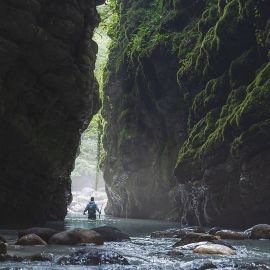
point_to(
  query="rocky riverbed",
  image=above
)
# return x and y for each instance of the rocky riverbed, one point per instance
(134, 244)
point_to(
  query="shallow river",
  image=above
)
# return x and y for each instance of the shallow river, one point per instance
(143, 253)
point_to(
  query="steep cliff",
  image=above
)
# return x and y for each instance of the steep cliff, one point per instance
(187, 111)
(48, 95)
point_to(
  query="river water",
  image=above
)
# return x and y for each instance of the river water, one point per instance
(143, 253)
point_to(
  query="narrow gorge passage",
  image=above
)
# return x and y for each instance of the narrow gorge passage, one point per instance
(160, 109)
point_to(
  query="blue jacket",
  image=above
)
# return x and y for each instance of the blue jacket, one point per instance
(91, 207)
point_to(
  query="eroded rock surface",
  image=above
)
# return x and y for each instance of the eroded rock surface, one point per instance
(48, 95)
(187, 111)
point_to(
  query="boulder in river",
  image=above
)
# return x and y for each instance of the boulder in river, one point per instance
(214, 249)
(194, 238)
(77, 236)
(171, 233)
(260, 231)
(30, 240)
(111, 234)
(44, 233)
(3, 248)
(231, 235)
(93, 256)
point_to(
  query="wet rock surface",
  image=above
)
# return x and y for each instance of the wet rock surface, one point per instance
(214, 249)
(111, 234)
(232, 235)
(30, 240)
(48, 96)
(77, 236)
(44, 233)
(172, 233)
(260, 231)
(91, 256)
(195, 237)
(185, 126)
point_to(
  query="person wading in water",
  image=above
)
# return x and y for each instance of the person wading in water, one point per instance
(91, 207)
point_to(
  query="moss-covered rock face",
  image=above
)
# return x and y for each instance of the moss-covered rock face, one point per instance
(47, 97)
(187, 94)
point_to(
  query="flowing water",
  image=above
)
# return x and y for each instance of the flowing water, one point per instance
(143, 253)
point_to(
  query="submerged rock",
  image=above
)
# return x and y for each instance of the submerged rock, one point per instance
(3, 248)
(194, 238)
(260, 231)
(33, 258)
(44, 233)
(92, 256)
(214, 249)
(30, 240)
(77, 236)
(232, 235)
(111, 234)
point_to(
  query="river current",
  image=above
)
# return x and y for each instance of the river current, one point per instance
(143, 253)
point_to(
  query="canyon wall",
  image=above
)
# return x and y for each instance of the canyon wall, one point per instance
(48, 95)
(187, 106)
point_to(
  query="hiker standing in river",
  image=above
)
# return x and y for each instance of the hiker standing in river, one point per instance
(92, 207)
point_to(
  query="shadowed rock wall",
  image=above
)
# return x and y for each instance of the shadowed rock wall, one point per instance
(187, 109)
(48, 95)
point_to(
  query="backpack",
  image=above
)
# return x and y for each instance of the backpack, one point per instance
(92, 207)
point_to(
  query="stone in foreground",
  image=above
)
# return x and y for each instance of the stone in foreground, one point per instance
(44, 233)
(111, 234)
(231, 235)
(194, 238)
(77, 236)
(31, 240)
(214, 249)
(92, 256)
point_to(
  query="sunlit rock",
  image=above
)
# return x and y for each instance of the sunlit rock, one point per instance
(214, 249)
